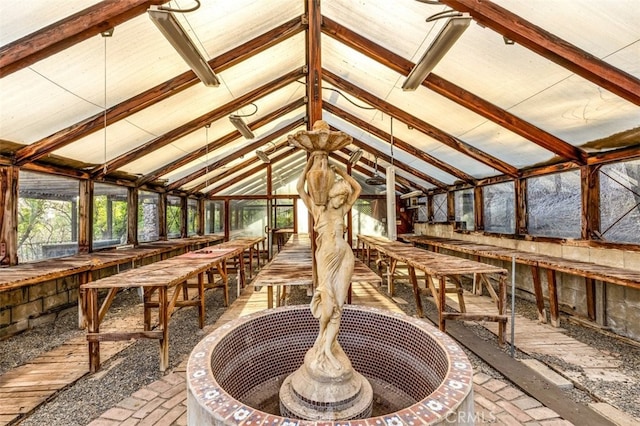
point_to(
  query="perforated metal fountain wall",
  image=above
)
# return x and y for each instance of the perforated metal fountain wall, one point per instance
(418, 374)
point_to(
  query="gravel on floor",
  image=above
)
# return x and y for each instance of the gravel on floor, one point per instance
(137, 365)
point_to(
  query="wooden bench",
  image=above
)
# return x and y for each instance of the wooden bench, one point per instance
(291, 266)
(440, 269)
(163, 283)
(590, 271)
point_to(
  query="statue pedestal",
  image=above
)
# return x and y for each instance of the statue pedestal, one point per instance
(314, 393)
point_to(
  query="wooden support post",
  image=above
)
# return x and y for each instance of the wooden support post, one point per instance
(451, 207)
(85, 213)
(590, 179)
(184, 217)
(521, 206)
(537, 288)
(201, 300)
(162, 217)
(9, 215)
(478, 208)
(132, 216)
(553, 298)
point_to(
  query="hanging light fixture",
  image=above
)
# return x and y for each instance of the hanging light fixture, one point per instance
(239, 123)
(355, 156)
(264, 156)
(376, 179)
(175, 33)
(445, 39)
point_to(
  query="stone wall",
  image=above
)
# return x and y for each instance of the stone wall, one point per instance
(38, 304)
(617, 307)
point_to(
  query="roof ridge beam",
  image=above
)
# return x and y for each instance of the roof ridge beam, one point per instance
(456, 94)
(551, 47)
(424, 127)
(155, 94)
(196, 123)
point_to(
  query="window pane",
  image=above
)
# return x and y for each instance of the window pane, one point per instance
(440, 207)
(214, 217)
(620, 202)
(174, 217)
(369, 217)
(109, 215)
(248, 218)
(463, 202)
(554, 206)
(47, 216)
(499, 208)
(148, 216)
(192, 216)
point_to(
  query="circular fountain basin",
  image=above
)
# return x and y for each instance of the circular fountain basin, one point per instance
(419, 375)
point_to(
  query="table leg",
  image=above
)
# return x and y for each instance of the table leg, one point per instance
(416, 291)
(93, 327)
(201, 299)
(164, 325)
(241, 271)
(442, 295)
(269, 296)
(553, 298)
(537, 289)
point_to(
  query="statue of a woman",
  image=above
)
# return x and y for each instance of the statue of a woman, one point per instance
(334, 259)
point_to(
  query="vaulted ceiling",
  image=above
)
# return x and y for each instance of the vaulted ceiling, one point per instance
(529, 87)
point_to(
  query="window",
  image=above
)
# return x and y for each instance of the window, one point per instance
(440, 208)
(192, 216)
(47, 216)
(464, 211)
(620, 202)
(148, 216)
(174, 216)
(109, 215)
(499, 208)
(369, 217)
(554, 205)
(213, 217)
(248, 218)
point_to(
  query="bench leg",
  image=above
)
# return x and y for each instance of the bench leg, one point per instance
(590, 286)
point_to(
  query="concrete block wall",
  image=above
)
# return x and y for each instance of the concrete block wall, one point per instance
(621, 304)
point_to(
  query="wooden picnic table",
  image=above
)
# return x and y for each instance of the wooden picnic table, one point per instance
(292, 265)
(439, 268)
(164, 287)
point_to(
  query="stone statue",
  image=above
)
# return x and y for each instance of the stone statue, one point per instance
(326, 387)
(334, 258)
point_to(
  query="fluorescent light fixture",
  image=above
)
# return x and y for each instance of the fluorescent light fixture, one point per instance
(263, 156)
(175, 33)
(355, 156)
(412, 194)
(242, 127)
(447, 37)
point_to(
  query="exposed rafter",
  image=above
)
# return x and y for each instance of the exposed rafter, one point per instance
(407, 147)
(420, 125)
(553, 48)
(69, 31)
(196, 123)
(221, 142)
(401, 183)
(155, 94)
(235, 154)
(456, 93)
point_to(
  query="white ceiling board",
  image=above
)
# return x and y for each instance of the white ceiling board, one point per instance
(21, 18)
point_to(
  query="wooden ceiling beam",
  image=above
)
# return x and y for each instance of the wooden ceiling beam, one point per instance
(422, 126)
(65, 33)
(456, 94)
(551, 47)
(249, 172)
(154, 95)
(407, 147)
(401, 183)
(314, 62)
(399, 164)
(234, 155)
(219, 143)
(196, 123)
